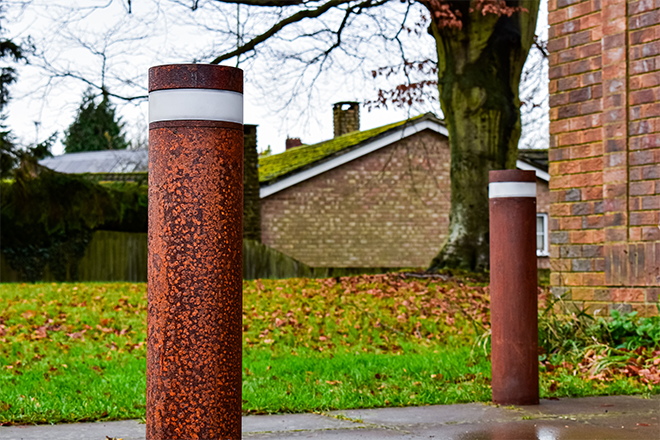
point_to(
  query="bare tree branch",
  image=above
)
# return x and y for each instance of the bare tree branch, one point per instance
(272, 3)
(298, 16)
(541, 46)
(100, 88)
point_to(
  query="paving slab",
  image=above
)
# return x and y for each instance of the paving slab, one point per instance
(125, 429)
(591, 418)
(432, 414)
(295, 422)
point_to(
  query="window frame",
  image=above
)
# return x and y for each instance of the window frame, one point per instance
(545, 252)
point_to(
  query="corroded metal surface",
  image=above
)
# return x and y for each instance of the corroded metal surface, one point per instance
(195, 76)
(511, 176)
(195, 281)
(513, 284)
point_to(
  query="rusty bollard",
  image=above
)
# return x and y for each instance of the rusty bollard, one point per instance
(513, 287)
(194, 315)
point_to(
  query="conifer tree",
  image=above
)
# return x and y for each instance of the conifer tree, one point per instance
(95, 128)
(8, 50)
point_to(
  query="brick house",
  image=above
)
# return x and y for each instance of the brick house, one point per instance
(605, 153)
(378, 198)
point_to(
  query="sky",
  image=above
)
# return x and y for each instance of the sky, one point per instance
(289, 86)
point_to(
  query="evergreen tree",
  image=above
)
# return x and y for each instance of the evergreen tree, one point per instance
(95, 128)
(8, 50)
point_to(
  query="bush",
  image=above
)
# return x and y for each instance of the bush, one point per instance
(561, 332)
(631, 332)
(48, 217)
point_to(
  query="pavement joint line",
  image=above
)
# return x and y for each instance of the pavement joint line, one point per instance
(397, 428)
(339, 416)
(366, 425)
(345, 428)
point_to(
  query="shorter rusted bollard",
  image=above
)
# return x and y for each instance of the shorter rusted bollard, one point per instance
(513, 287)
(195, 273)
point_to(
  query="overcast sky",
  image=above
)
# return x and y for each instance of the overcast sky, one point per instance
(74, 39)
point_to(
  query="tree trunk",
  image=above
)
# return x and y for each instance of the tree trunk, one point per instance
(479, 69)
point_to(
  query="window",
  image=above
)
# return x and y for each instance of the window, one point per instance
(542, 249)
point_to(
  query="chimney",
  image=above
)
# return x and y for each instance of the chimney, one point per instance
(293, 142)
(346, 117)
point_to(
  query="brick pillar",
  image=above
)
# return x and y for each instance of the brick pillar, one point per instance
(643, 253)
(576, 150)
(605, 152)
(615, 161)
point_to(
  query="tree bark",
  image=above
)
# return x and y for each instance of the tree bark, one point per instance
(479, 69)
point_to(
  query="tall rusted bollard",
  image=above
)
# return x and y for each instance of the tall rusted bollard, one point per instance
(513, 287)
(195, 252)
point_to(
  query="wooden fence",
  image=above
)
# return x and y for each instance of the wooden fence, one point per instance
(122, 256)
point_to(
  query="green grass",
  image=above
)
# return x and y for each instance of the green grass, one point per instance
(317, 382)
(74, 352)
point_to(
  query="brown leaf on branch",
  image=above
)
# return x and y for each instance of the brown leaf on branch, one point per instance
(496, 7)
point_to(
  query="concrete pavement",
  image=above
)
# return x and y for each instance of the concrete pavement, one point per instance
(597, 418)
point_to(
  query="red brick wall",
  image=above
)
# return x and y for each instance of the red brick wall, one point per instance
(604, 152)
(389, 208)
(542, 196)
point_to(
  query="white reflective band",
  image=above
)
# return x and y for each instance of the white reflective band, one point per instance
(511, 189)
(195, 105)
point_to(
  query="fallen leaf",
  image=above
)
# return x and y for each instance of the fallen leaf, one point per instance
(77, 335)
(40, 332)
(29, 314)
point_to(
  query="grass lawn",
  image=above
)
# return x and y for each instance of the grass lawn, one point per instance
(74, 352)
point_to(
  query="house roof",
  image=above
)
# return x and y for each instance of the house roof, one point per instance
(534, 160)
(283, 170)
(105, 161)
(534, 156)
(278, 165)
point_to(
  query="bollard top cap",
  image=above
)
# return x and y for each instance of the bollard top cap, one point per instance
(511, 176)
(195, 76)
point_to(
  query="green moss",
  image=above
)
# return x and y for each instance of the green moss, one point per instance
(277, 165)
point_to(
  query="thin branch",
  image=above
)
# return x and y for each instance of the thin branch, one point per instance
(298, 16)
(96, 86)
(541, 47)
(272, 3)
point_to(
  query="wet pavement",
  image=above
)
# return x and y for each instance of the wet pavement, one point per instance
(590, 418)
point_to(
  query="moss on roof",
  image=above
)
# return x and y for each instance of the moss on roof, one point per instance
(271, 167)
